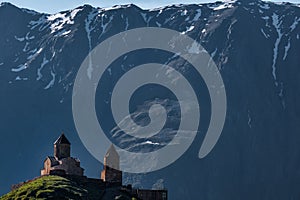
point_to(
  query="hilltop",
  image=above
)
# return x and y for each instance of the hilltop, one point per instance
(63, 178)
(56, 187)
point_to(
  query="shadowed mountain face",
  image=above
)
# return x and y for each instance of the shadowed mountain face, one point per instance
(255, 45)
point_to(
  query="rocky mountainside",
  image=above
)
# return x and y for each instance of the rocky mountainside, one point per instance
(255, 45)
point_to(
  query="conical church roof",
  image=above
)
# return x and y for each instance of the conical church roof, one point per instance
(112, 152)
(62, 140)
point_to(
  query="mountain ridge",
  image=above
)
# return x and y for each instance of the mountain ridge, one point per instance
(254, 45)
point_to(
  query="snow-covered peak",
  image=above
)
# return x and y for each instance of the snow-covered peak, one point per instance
(125, 6)
(220, 5)
(94, 24)
(58, 20)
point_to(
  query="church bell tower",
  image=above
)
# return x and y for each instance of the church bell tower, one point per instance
(111, 172)
(62, 147)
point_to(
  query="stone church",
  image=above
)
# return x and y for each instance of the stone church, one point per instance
(62, 163)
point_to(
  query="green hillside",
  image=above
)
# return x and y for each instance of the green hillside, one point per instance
(55, 187)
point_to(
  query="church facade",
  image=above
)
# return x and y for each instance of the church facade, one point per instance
(61, 163)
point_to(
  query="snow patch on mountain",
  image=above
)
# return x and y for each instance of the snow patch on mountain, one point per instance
(249, 119)
(224, 5)
(287, 48)
(146, 18)
(89, 28)
(126, 22)
(277, 24)
(20, 68)
(117, 7)
(18, 78)
(51, 83)
(39, 70)
(25, 49)
(263, 32)
(188, 29)
(28, 37)
(265, 6)
(105, 24)
(184, 13)
(20, 39)
(266, 18)
(295, 23)
(59, 20)
(230, 28)
(63, 33)
(42, 23)
(197, 15)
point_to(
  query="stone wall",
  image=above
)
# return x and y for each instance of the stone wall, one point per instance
(111, 175)
(62, 151)
(152, 194)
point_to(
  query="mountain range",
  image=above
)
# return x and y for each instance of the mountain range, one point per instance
(255, 45)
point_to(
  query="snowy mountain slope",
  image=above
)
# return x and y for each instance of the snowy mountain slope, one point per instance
(255, 44)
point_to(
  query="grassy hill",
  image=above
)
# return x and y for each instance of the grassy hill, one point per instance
(55, 187)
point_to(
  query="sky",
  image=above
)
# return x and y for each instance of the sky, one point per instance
(54, 6)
